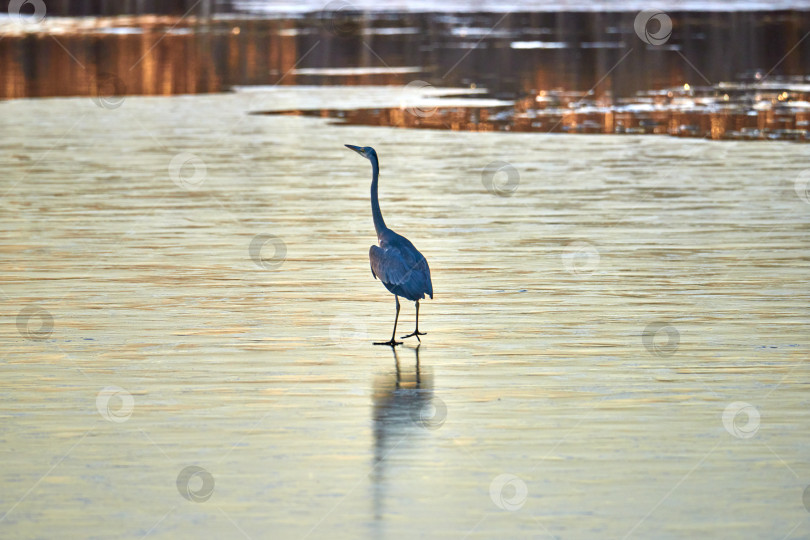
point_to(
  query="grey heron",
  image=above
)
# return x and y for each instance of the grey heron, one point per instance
(396, 262)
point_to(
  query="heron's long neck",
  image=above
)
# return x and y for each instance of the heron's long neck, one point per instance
(379, 224)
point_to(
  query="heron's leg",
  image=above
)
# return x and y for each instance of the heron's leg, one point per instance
(393, 342)
(396, 318)
(416, 332)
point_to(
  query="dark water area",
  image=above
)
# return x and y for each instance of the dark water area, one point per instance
(97, 8)
(512, 55)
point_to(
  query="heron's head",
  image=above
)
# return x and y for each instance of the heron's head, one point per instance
(365, 151)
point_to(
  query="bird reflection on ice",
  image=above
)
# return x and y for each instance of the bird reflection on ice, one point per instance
(404, 413)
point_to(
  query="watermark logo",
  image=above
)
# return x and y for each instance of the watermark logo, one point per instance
(508, 492)
(115, 404)
(195, 484)
(580, 258)
(35, 323)
(741, 419)
(187, 171)
(110, 91)
(340, 18)
(500, 178)
(661, 338)
(802, 186)
(653, 26)
(431, 415)
(418, 88)
(260, 256)
(27, 11)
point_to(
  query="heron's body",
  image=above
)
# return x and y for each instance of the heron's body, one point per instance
(400, 267)
(396, 262)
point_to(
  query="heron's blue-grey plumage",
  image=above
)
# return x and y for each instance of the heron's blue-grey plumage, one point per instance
(396, 262)
(401, 268)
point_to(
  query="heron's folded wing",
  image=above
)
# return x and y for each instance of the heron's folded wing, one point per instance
(390, 267)
(387, 265)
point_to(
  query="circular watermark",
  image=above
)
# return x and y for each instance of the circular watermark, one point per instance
(653, 26)
(35, 323)
(500, 178)
(195, 484)
(431, 415)
(110, 91)
(187, 170)
(802, 186)
(259, 255)
(508, 492)
(27, 11)
(340, 18)
(661, 338)
(115, 404)
(580, 258)
(732, 419)
(420, 110)
(347, 331)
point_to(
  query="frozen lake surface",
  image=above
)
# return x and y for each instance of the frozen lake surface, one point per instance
(616, 349)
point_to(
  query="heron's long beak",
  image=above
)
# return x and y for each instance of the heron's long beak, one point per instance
(356, 149)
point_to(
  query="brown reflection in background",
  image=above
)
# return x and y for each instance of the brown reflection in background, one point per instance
(775, 110)
(597, 54)
(148, 59)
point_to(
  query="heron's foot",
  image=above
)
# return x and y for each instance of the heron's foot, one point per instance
(392, 343)
(416, 333)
